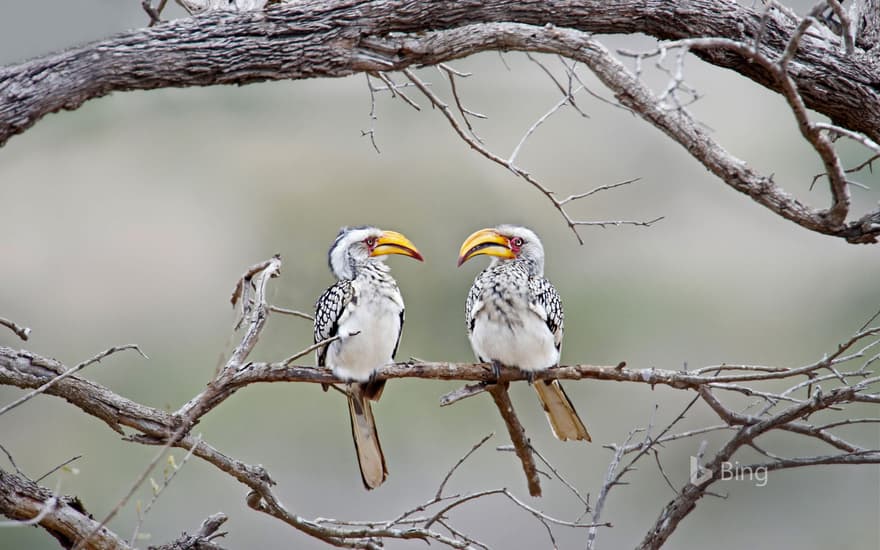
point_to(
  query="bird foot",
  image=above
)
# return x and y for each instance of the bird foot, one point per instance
(496, 370)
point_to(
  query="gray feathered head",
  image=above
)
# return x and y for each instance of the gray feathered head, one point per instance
(355, 245)
(506, 242)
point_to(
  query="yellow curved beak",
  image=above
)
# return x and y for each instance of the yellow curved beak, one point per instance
(485, 241)
(392, 242)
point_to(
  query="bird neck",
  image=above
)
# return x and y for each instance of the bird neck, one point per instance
(532, 266)
(370, 268)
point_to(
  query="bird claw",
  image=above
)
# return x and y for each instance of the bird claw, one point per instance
(496, 370)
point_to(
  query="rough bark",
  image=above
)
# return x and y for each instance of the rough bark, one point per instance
(63, 517)
(320, 38)
(28, 370)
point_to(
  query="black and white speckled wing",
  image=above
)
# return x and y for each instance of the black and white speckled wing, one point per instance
(329, 310)
(399, 333)
(473, 303)
(544, 300)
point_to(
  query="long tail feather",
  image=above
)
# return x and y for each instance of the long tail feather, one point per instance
(366, 440)
(564, 420)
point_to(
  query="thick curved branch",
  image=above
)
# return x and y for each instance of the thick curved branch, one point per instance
(320, 38)
(62, 516)
(66, 519)
(328, 39)
(156, 427)
(686, 500)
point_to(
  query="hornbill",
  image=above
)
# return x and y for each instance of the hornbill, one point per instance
(514, 317)
(365, 309)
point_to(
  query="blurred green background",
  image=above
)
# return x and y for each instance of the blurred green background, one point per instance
(130, 219)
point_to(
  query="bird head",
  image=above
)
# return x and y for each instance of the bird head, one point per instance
(355, 245)
(505, 242)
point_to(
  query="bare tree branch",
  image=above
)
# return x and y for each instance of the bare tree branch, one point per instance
(20, 331)
(517, 436)
(327, 29)
(156, 427)
(813, 70)
(63, 517)
(203, 539)
(67, 373)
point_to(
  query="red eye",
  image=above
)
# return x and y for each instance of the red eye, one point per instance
(517, 242)
(371, 242)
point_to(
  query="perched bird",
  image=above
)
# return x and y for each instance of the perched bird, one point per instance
(514, 316)
(365, 309)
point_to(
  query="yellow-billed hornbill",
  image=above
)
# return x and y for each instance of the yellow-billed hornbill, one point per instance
(514, 316)
(365, 309)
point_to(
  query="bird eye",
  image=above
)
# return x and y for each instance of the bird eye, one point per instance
(371, 242)
(517, 241)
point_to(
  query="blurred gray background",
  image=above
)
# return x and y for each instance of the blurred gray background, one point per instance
(130, 219)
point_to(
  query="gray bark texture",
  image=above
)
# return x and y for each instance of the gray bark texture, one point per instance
(831, 65)
(320, 38)
(63, 517)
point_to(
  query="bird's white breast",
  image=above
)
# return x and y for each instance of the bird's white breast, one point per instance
(514, 335)
(369, 329)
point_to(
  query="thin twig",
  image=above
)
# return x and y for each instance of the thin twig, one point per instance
(519, 172)
(372, 131)
(12, 461)
(610, 481)
(314, 347)
(56, 468)
(70, 372)
(134, 486)
(291, 312)
(512, 158)
(566, 92)
(465, 113)
(165, 483)
(155, 13)
(459, 463)
(598, 189)
(572, 488)
(396, 91)
(847, 28)
(20, 331)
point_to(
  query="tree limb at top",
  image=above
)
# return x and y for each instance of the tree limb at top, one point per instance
(321, 38)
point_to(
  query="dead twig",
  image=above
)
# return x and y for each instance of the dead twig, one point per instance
(517, 436)
(74, 370)
(20, 331)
